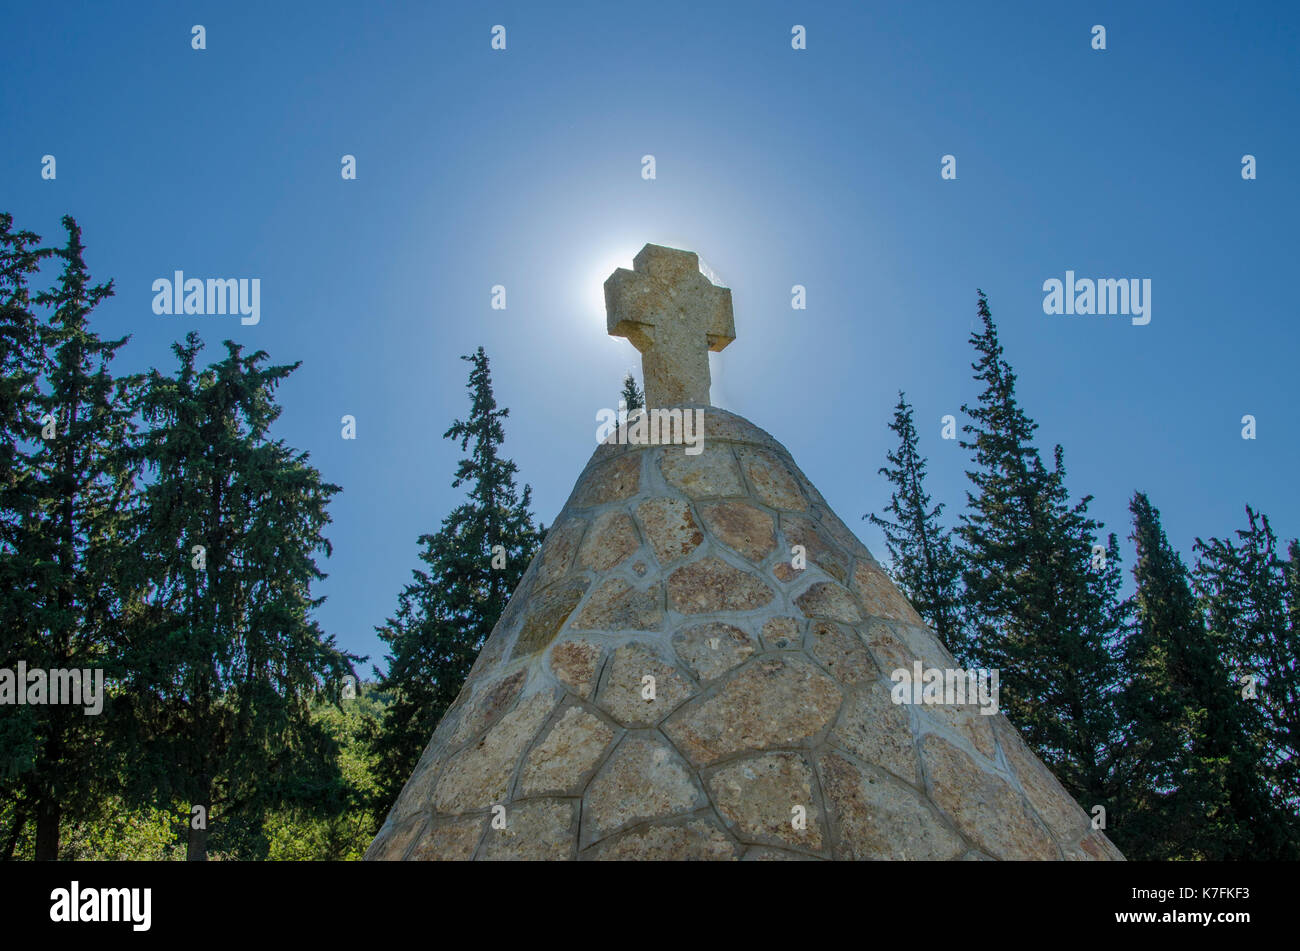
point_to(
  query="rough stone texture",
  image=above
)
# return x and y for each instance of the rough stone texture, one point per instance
(611, 482)
(561, 544)
(818, 548)
(537, 830)
(449, 839)
(841, 653)
(891, 652)
(622, 694)
(780, 633)
(671, 528)
(395, 839)
(924, 645)
(486, 705)
(879, 817)
(966, 720)
(569, 751)
(879, 595)
(712, 585)
(772, 690)
(1048, 797)
(693, 839)
(547, 615)
(773, 483)
(616, 606)
(763, 853)
(776, 701)
(644, 779)
(479, 775)
(829, 600)
(876, 730)
(740, 526)
(711, 474)
(575, 664)
(757, 796)
(983, 805)
(710, 650)
(1094, 847)
(611, 539)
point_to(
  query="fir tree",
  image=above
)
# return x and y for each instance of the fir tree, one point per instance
(21, 360)
(1182, 714)
(1041, 601)
(1249, 596)
(471, 565)
(73, 547)
(920, 548)
(226, 656)
(632, 394)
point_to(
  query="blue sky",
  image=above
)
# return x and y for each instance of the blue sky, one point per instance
(818, 167)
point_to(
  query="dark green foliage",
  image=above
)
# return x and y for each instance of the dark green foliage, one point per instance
(446, 613)
(1042, 604)
(225, 654)
(1250, 598)
(632, 394)
(920, 549)
(1184, 716)
(21, 364)
(65, 531)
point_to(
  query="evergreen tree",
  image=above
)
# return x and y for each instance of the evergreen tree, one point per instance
(20, 368)
(1042, 602)
(632, 394)
(446, 613)
(226, 656)
(1249, 595)
(1183, 716)
(920, 548)
(72, 547)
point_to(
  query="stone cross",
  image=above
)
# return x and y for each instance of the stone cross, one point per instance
(674, 315)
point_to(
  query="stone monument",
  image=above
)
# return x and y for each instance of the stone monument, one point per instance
(697, 665)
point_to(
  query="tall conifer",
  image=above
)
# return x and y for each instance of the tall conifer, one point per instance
(1249, 595)
(1041, 593)
(471, 566)
(1183, 715)
(75, 550)
(226, 654)
(920, 548)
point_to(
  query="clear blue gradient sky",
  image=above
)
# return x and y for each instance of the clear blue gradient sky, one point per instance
(817, 167)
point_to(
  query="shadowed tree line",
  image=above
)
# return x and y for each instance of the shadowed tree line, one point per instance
(151, 526)
(1176, 709)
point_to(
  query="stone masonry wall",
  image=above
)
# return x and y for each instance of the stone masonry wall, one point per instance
(771, 692)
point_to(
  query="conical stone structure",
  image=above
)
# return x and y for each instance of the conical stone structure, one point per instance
(696, 665)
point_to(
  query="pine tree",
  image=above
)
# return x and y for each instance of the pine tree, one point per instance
(1182, 714)
(1042, 598)
(73, 547)
(920, 549)
(632, 394)
(21, 360)
(226, 655)
(471, 565)
(1249, 596)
